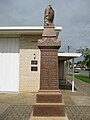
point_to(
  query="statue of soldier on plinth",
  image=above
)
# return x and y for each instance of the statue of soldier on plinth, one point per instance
(48, 16)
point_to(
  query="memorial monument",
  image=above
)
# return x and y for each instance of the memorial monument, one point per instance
(49, 103)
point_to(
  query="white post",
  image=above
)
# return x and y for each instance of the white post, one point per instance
(68, 66)
(73, 75)
(65, 71)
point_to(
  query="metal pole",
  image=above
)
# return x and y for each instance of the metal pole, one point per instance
(73, 75)
(68, 60)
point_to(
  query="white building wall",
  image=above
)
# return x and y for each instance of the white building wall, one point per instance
(9, 64)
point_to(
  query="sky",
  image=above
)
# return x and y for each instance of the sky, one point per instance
(72, 15)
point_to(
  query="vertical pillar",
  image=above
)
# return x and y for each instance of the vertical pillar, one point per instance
(73, 75)
(49, 98)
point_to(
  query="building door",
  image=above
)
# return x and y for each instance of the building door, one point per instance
(9, 64)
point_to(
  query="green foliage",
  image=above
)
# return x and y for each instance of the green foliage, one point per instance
(84, 51)
(81, 62)
(87, 60)
(82, 77)
(69, 63)
(86, 54)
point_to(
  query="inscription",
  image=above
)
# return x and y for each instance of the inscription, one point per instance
(49, 70)
(49, 73)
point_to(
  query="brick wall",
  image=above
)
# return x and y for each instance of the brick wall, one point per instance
(29, 80)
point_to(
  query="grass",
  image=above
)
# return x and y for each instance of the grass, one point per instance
(82, 77)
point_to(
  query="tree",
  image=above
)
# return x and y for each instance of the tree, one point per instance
(87, 61)
(84, 51)
(86, 54)
(81, 64)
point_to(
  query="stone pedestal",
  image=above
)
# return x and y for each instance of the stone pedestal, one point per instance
(48, 104)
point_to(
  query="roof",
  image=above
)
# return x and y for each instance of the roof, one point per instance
(17, 30)
(67, 56)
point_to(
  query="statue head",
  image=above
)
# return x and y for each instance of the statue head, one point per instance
(49, 6)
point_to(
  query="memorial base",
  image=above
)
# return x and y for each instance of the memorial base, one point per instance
(49, 105)
(48, 118)
(49, 96)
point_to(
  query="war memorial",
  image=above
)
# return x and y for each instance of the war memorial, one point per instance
(49, 104)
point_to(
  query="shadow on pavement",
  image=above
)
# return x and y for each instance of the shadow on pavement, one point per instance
(63, 85)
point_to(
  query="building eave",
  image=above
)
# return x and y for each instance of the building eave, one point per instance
(67, 56)
(30, 30)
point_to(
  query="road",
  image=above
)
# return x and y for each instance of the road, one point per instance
(83, 72)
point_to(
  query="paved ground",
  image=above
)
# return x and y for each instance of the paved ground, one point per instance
(78, 102)
(84, 87)
(19, 107)
(16, 107)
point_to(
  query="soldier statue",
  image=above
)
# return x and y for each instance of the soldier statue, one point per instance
(48, 16)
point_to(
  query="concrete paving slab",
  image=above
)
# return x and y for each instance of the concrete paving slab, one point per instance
(80, 85)
(17, 112)
(24, 99)
(3, 107)
(68, 96)
(78, 112)
(27, 98)
(81, 100)
(7, 98)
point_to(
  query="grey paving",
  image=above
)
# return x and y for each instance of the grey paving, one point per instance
(81, 100)
(16, 106)
(23, 112)
(17, 112)
(3, 107)
(78, 112)
(19, 107)
(82, 86)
